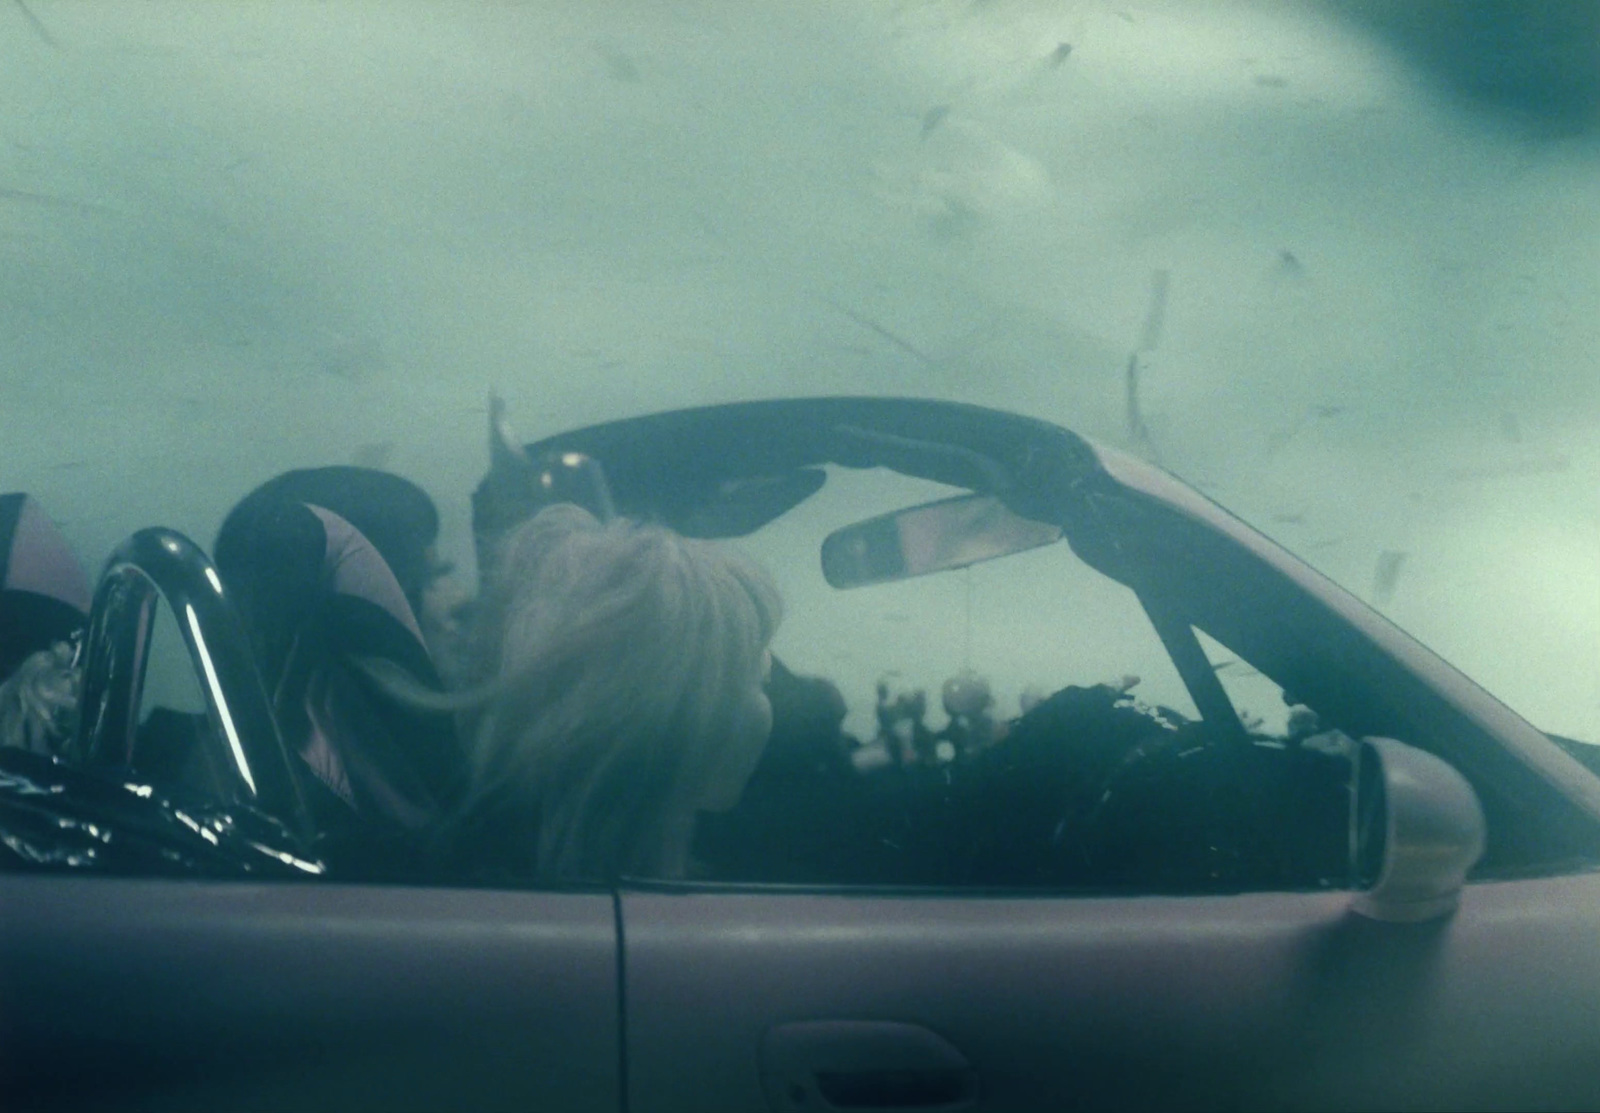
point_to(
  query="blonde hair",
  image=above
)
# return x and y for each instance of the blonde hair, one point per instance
(615, 660)
(39, 702)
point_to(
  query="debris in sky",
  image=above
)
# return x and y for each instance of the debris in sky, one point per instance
(1387, 575)
(374, 456)
(50, 201)
(344, 356)
(619, 67)
(1154, 318)
(932, 118)
(1271, 81)
(1289, 264)
(1510, 428)
(38, 27)
(1156, 315)
(1312, 413)
(954, 220)
(873, 326)
(1534, 465)
(1060, 54)
(1136, 427)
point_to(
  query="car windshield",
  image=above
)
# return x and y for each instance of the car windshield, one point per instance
(1332, 263)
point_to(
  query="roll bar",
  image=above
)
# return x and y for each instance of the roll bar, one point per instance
(163, 564)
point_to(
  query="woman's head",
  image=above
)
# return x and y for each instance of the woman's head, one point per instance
(626, 665)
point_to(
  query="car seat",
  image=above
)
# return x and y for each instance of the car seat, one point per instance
(320, 604)
(44, 592)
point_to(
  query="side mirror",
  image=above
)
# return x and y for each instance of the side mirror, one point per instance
(950, 533)
(1416, 829)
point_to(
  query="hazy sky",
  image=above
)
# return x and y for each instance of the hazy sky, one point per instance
(237, 238)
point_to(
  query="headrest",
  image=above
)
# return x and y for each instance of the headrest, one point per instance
(44, 592)
(287, 560)
(395, 515)
(353, 567)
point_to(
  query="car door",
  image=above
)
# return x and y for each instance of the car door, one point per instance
(820, 1000)
(854, 996)
(144, 993)
(786, 1000)
(789, 1000)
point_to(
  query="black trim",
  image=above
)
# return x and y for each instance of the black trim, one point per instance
(683, 467)
(10, 516)
(622, 1002)
(1210, 697)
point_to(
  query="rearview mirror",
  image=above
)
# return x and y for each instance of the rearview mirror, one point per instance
(1417, 828)
(936, 536)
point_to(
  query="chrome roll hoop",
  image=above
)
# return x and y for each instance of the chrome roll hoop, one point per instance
(162, 564)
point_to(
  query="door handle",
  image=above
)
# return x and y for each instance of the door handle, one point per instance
(820, 1066)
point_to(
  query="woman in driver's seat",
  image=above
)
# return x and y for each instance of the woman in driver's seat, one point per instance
(619, 670)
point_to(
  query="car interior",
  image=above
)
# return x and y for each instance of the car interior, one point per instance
(1092, 788)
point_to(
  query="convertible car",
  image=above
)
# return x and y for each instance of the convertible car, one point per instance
(1196, 829)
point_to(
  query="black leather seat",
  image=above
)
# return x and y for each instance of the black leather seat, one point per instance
(318, 599)
(44, 593)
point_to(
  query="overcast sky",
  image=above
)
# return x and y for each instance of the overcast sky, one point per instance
(237, 238)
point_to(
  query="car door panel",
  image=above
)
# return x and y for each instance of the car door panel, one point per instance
(1248, 1001)
(1497, 1007)
(1056, 1003)
(224, 995)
